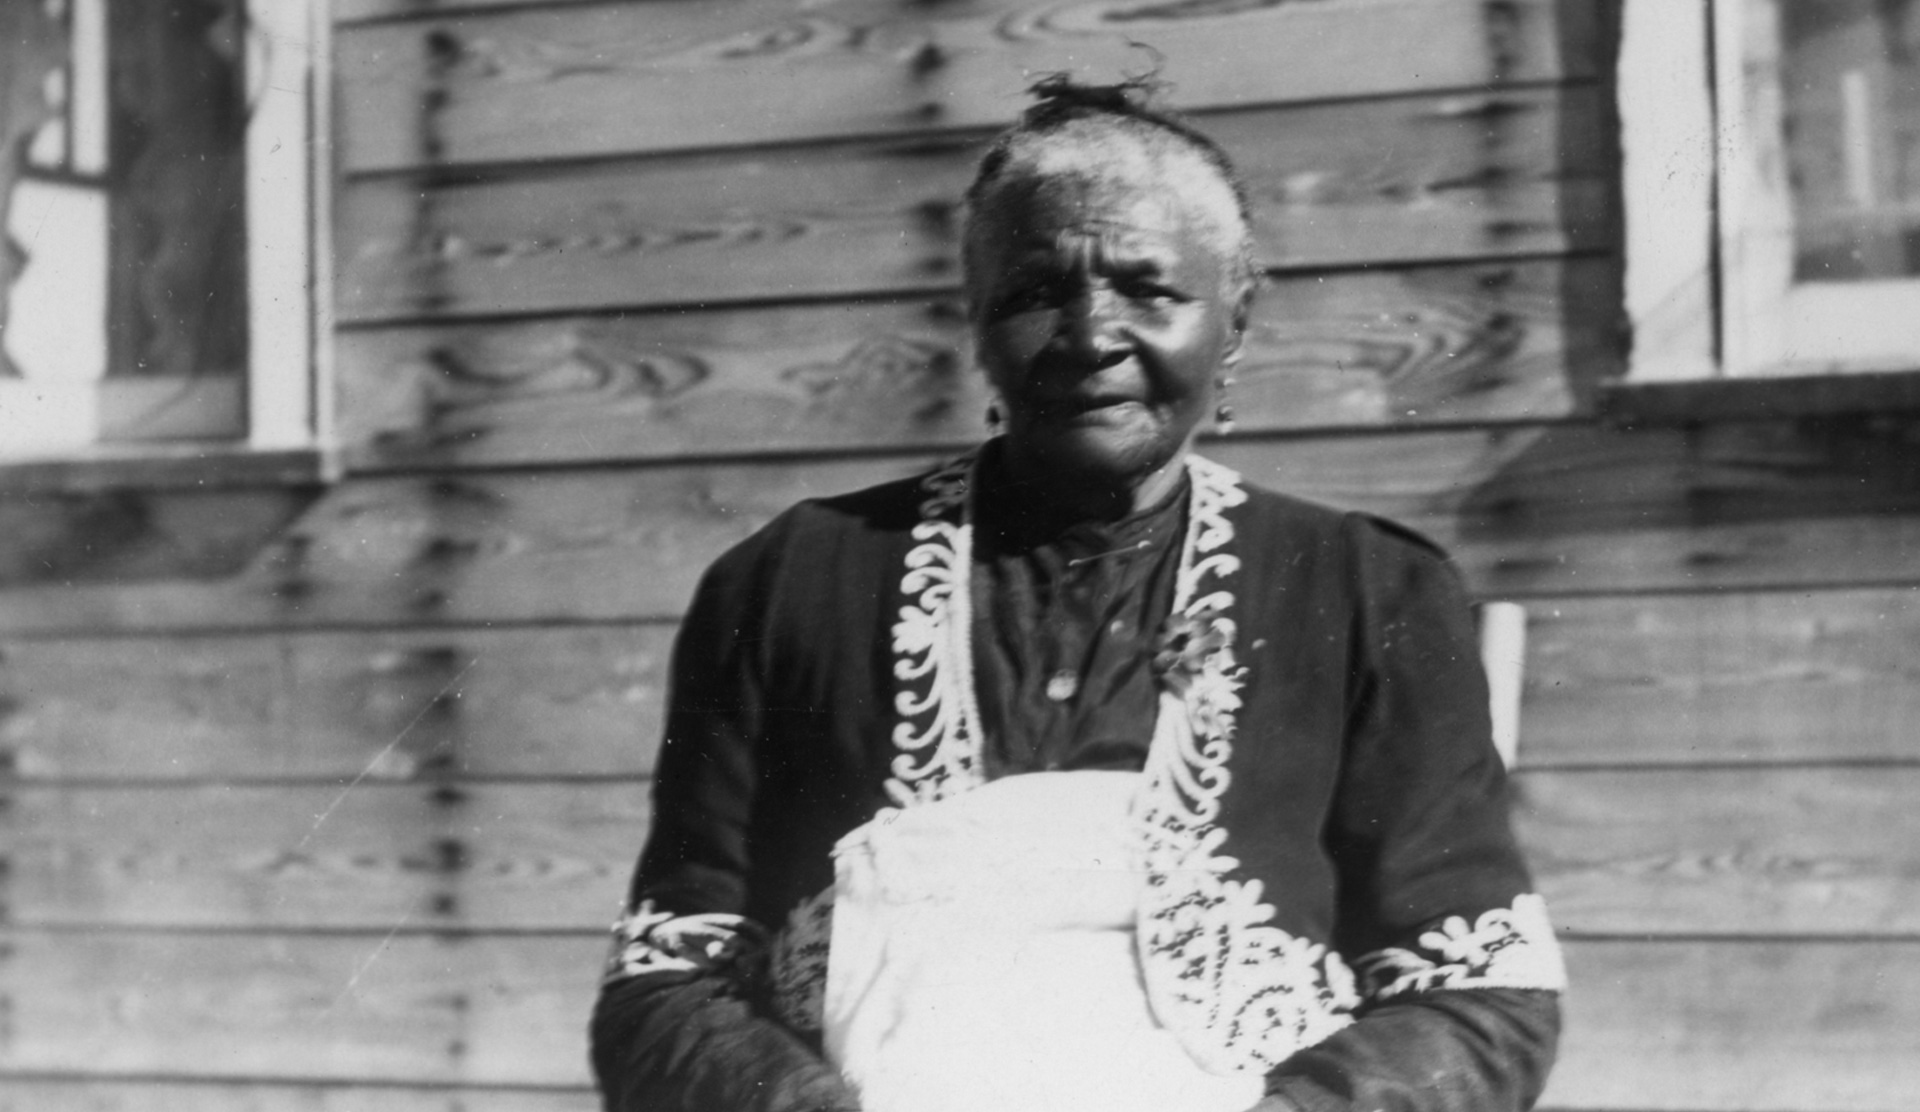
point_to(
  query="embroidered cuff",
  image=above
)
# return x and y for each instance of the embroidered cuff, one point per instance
(1507, 947)
(646, 940)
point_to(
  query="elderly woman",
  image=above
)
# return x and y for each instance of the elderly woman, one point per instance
(1079, 772)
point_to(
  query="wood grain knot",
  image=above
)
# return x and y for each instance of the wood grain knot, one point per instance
(443, 48)
(1504, 36)
(442, 551)
(450, 855)
(927, 59)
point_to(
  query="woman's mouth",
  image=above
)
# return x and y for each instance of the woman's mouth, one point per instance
(1091, 409)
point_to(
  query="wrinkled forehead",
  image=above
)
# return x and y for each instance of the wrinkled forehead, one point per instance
(1116, 176)
(1040, 212)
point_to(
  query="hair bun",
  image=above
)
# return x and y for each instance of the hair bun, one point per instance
(1059, 95)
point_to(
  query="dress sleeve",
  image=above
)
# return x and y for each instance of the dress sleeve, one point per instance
(678, 1026)
(1459, 971)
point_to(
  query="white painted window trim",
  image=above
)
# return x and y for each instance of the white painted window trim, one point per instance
(1667, 140)
(287, 276)
(288, 395)
(1709, 244)
(1503, 654)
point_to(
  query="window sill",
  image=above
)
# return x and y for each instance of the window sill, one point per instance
(1761, 398)
(162, 466)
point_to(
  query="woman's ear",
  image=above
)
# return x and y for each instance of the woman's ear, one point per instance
(1242, 316)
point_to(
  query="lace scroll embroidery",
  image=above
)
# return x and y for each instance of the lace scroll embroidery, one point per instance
(937, 736)
(646, 940)
(797, 963)
(1507, 947)
(1240, 993)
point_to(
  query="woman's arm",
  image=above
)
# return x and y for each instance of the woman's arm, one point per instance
(1458, 1050)
(695, 1043)
(1458, 966)
(677, 1027)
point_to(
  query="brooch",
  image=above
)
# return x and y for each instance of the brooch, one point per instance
(1194, 662)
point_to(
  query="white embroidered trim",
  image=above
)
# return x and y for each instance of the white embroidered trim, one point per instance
(938, 734)
(1507, 947)
(1241, 994)
(650, 941)
(797, 963)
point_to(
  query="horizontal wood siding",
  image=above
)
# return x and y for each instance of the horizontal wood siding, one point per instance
(1780, 1026)
(1646, 852)
(606, 79)
(1440, 345)
(1761, 1026)
(500, 1009)
(1612, 682)
(93, 1094)
(1398, 181)
(1724, 679)
(1530, 511)
(317, 797)
(334, 707)
(375, 857)
(1775, 851)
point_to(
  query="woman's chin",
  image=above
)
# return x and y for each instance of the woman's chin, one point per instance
(1100, 448)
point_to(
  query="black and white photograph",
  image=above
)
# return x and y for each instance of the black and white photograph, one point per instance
(959, 555)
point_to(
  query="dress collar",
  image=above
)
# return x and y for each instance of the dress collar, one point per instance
(937, 737)
(1009, 523)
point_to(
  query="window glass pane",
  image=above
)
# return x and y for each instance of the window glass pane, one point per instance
(1850, 78)
(123, 283)
(57, 307)
(48, 148)
(178, 257)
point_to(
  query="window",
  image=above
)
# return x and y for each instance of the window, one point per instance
(1772, 162)
(157, 184)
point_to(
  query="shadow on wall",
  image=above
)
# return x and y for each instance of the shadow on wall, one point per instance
(77, 537)
(1572, 509)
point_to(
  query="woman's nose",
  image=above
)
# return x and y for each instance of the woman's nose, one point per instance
(1090, 325)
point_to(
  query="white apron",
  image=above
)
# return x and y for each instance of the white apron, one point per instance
(983, 957)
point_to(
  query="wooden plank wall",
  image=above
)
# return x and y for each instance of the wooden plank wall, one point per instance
(318, 798)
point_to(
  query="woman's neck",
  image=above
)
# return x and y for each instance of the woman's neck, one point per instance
(1065, 496)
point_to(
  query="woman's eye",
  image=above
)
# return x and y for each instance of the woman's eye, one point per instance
(1143, 290)
(1022, 298)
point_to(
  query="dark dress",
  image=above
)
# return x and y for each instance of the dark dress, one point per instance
(1403, 963)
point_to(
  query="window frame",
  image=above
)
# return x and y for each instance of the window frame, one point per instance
(286, 401)
(1709, 284)
(289, 283)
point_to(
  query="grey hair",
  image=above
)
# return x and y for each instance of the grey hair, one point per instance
(1095, 130)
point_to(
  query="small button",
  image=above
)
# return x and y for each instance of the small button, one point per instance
(1062, 685)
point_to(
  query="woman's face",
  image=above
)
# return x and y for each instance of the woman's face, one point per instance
(1102, 315)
